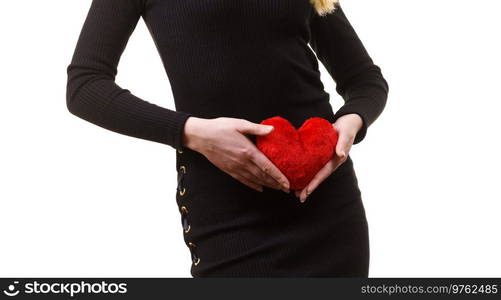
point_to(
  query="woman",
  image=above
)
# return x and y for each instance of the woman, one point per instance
(232, 64)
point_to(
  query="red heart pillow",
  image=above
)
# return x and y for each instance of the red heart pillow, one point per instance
(301, 153)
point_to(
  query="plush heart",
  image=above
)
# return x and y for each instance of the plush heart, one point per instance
(301, 153)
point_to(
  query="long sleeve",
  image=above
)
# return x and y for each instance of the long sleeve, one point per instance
(92, 93)
(358, 80)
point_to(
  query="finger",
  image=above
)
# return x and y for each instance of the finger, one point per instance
(303, 194)
(264, 178)
(247, 174)
(269, 168)
(247, 127)
(318, 178)
(344, 143)
(298, 193)
(248, 182)
(270, 181)
(250, 176)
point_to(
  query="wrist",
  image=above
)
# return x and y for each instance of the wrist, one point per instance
(191, 133)
(352, 122)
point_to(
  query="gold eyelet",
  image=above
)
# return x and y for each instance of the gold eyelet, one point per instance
(184, 210)
(197, 261)
(183, 169)
(182, 192)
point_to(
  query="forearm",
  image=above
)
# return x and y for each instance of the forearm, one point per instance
(103, 103)
(358, 80)
(365, 96)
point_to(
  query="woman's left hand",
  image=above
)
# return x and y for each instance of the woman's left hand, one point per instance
(347, 127)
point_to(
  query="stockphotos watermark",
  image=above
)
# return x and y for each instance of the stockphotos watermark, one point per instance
(68, 288)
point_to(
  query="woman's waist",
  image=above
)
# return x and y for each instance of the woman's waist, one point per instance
(254, 109)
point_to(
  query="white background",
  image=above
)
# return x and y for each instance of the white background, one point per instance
(78, 200)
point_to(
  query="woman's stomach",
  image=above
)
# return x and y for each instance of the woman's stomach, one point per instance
(255, 105)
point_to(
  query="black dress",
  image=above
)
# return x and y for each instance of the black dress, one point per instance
(248, 59)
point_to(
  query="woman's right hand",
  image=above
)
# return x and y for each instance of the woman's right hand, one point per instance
(223, 142)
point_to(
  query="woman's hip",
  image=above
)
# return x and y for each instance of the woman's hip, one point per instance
(226, 224)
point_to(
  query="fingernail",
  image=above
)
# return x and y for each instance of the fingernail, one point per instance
(270, 128)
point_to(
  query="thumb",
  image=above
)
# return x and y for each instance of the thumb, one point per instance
(255, 129)
(343, 146)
